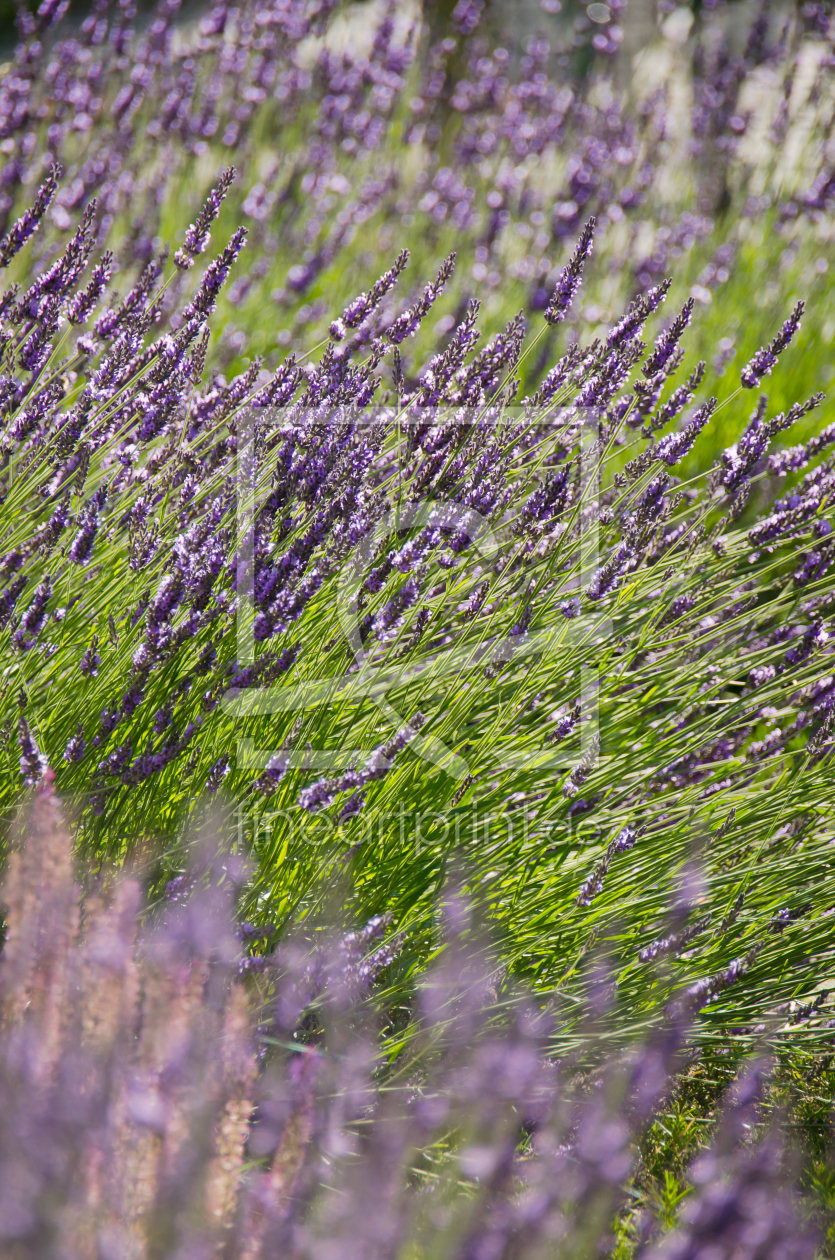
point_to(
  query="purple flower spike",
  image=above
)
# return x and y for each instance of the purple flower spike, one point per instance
(320, 794)
(675, 446)
(813, 638)
(217, 774)
(407, 324)
(625, 840)
(570, 276)
(639, 311)
(76, 747)
(88, 527)
(9, 599)
(564, 727)
(91, 660)
(29, 221)
(352, 806)
(85, 300)
(766, 357)
(364, 305)
(215, 277)
(665, 346)
(33, 619)
(33, 764)
(197, 236)
(622, 843)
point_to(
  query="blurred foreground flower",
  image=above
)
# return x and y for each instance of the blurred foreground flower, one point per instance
(145, 1111)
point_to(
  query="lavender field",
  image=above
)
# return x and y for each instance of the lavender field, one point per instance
(416, 605)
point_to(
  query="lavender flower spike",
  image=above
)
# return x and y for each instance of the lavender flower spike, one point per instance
(622, 843)
(29, 221)
(217, 774)
(197, 236)
(363, 306)
(76, 747)
(666, 344)
(83, 302)
(570, 277)
(91, 660)
(637, 314)
(407, 324)
(88, 527)
(205, 299)
(765, 358)
(675, 446)
(33, 764)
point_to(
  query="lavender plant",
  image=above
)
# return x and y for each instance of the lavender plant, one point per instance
(137, 473)
(545, 593)
(402, 126)
(163, 1097)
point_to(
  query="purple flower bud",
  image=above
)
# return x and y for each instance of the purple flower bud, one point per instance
(9, 598)
(214, 278)
(765, 358)
(85, 300)
(91, 660)
(569, 278)
(75, 749)
(217, 774)
(29, 221)
(407, 324)
(364, 305)
(197, 235)
(88, 527)
(33, 764)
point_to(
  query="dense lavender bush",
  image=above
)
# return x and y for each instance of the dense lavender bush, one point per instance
(421, 589)
(157, 1104)
(354, 136)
